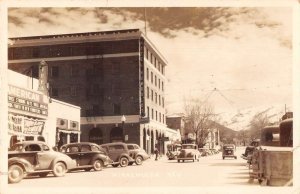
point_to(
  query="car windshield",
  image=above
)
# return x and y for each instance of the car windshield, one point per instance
(16, 147)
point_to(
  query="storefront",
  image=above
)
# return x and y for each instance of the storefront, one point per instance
(27, 114)
(32, 115)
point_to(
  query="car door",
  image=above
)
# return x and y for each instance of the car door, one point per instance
(44, 157)
(73, 152)
(114, 152)
(86, 155)
(30, 154)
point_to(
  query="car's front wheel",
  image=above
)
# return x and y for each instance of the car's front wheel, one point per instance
(59, 169)
(124, 162)
(98, 165)
(139, 160)
(15, 173)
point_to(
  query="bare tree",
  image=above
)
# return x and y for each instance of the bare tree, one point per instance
(200, 119)
(259, 121)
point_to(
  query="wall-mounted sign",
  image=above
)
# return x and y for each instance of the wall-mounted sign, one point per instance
(33, 126)
(20, 125)
(74, 125)
(26, 101)
(62, 123)
(15, 124)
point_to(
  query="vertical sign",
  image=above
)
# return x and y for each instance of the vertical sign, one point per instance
(43, 78)
(142, 78)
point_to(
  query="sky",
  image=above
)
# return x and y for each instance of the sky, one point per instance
(234, 58)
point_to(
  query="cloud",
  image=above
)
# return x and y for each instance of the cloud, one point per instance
(246, 53)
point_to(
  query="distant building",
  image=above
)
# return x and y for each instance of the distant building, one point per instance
(176, 122)
(108, 74)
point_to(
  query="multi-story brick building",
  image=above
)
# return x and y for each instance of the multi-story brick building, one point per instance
(108, 74)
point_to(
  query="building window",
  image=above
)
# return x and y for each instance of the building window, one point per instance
(162, 69)
(148, 112)
(151, 77)
(54, 71)
(155, 81)
(148, 92)
(152, 95)
(54, 92)
(159, 83)
(163, 118)
(151, 58)
(162, 86)
(146, 52)
(147, 74)
(95, 110)
(73, 91)
(159, 66)
(152, 113)
(159, 100)
(155, 98)
(117, 109)
(155, 62)
(163, 102)
(159, 117)
(156, 115)
(74, 70)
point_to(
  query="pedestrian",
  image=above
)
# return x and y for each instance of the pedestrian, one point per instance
(156, 152)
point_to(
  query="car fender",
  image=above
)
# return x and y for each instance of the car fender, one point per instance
(98, 157)
(63, 160)
(21, 161)
(127, 156)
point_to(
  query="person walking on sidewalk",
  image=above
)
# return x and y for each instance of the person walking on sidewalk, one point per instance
(156, 152)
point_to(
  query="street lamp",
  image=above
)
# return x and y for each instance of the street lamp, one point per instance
(123, 119)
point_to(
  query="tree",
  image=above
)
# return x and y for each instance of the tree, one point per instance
(200, 119)
(259, 121)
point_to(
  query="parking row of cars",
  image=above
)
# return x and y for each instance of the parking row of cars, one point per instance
(182, 152)
(37, 158)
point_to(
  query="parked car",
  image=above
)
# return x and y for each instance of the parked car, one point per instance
(87, 155)
(204, 152)
(36, 158)
(119, 153)
(189, 152)
(249, 150)
(228, 151)
(137, 153)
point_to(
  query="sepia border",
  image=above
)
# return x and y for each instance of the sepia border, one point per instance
(5, 4)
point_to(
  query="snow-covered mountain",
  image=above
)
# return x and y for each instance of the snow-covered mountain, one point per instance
(240, 119)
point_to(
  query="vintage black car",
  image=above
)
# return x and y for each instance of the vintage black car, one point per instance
(87, 155)
(137, 153)
(36, 158)
(228, 151)
(119, 153)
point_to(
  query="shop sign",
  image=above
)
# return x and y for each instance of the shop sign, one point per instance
(74, 125)
(20, 125)
(62, 123)
(33, 126)
(27, 101)
(15, 124)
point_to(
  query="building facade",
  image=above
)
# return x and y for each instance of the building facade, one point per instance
(34, 116)
(176, 122)
(108, 74)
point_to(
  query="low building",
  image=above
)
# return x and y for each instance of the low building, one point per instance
(34, 116)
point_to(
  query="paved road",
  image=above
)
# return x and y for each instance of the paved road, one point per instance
(210, 171)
